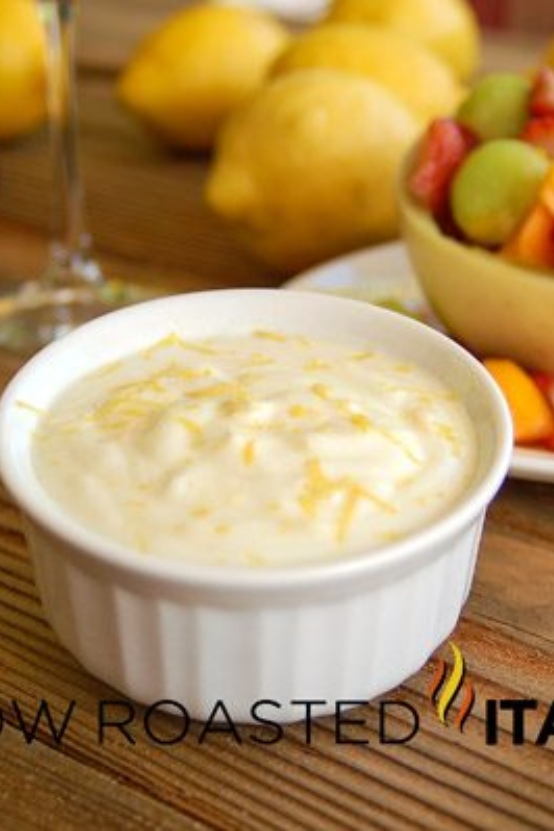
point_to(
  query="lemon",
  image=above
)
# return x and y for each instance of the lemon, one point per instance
(416, 76)
(22, 68)
(187, 77)
(446, 27)
(307, 169)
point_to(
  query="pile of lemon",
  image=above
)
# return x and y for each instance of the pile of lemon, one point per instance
(309, 128)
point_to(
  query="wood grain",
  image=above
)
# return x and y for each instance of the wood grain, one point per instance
(145, 205)
(150, 224)
(440, 781)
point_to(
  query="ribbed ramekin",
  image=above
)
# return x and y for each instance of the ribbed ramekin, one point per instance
(157, 630)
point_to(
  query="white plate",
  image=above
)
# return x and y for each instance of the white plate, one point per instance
(384, 275)
(294, 11)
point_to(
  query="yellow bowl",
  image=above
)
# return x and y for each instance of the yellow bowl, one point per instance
(490, 305)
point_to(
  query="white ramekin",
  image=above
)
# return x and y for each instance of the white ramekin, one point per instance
(344, 630)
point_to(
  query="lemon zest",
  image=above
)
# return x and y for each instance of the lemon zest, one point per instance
(321, 391)
(360, 421)
(259, 359)
(192, 426)
(263, 333)
(319, 487)
(362, 356)
(106, 370)
(25, 405)
(174, 340)
(299, 411)
(315, 364)
(249, 453)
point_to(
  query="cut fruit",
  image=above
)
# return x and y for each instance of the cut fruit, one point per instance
(443, 150)
(542, 96)
(540, 133)
(547, 192)
(532, 416)
(495, 188)
(533, 243)
(497, 107)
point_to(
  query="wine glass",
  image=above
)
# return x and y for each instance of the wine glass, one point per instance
(72, 288)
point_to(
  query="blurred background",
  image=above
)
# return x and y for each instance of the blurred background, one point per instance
(110, 28)
(532, 15)
(145, 201)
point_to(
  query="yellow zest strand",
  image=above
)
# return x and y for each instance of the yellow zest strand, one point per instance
(276, 336)
(249, 453)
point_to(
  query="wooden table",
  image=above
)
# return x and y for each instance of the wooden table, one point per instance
(149, 223)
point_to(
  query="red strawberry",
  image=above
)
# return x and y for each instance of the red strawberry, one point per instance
(545, 382)
(540, 132)
(542, 95)
(443, 149)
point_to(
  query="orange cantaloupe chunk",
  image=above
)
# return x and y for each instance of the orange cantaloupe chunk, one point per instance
(533, 242)
(546, 196)
(532, 415)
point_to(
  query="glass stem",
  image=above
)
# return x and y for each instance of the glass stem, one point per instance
(70, 258)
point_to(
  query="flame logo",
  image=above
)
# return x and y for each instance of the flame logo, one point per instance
(451, 689)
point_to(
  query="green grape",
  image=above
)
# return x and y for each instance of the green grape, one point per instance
(498, 106)
(495, 188)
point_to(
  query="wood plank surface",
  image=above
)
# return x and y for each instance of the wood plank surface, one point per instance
(150, 224)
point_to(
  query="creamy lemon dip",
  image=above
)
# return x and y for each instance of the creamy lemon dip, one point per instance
(261, 449)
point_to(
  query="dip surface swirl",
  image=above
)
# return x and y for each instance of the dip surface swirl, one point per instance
(261, 449)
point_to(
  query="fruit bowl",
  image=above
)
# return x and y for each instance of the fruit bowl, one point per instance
(492, 306)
